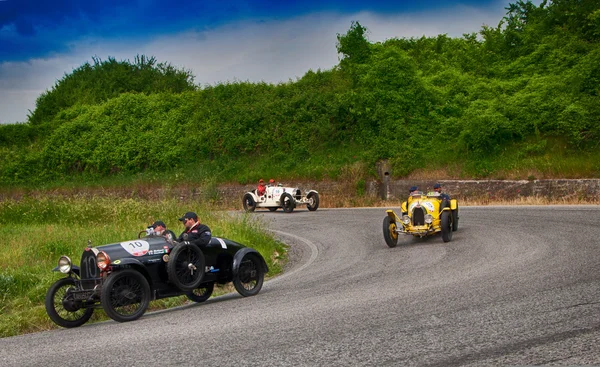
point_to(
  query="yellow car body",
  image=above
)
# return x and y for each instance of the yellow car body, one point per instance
(422, 215)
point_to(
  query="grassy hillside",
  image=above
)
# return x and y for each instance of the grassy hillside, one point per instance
(519, 99)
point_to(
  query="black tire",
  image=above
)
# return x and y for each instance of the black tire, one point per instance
(389, 232)
(62, 308)
(125, 295)
(250, 276)
(186, 266)
(455, 219)
(287, 202)
(249, 203)
(313, 201)
(273, 208)
(446, 224)
(201, 293)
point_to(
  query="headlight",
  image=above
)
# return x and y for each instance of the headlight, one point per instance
(428, 218)
(64, 264)
(405, 219)
(102, 260)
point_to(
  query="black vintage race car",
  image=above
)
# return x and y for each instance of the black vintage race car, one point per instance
(124, 277)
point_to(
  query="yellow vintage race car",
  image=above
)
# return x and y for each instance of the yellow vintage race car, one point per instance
(422, 215)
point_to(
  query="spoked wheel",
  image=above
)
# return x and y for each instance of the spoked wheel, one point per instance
(186, 266)
(250, 276)
(313, 201)
(249, 203)
(125, 295)
(287, 202)
(202, 293)
(446, 223)
(62, 308)
(389, 232)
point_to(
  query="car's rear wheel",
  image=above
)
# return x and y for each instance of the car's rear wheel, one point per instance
(389, 232)
(186, 266)
(125, 295)
(250, 276)
(446, 223)
(273, 208)
(287, 202)
(249, 203)
(62, 307)
(201, 293)
(313, 201)
(455, 219)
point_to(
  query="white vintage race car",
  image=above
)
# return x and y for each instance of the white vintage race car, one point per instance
(276, 197)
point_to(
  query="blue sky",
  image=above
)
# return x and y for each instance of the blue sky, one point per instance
(219, 41)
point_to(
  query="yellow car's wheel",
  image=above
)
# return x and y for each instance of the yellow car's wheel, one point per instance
(389, 232)
(446, 224)
(455, 219)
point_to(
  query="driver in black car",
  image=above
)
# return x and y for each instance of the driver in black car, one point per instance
(159, 228)
(195, 232)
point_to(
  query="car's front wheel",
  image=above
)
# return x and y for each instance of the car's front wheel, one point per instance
(61, 306)
(446, 223)
(389, 232)
(201, 293)
(249, 203)
(250, 276)
(313, 201)
(125, 295)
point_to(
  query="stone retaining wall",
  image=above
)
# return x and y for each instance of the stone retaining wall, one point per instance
(585, 190)
(334, 193)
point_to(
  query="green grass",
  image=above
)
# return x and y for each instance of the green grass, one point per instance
(36, 232)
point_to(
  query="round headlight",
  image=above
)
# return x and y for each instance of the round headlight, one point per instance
(405, 219)
(102, 260)
(428, 218)
(64, 264)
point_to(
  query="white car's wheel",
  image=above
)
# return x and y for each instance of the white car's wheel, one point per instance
(313, 201)
(249, 203)
(287, 202)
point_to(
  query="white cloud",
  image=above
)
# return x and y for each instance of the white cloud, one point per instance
(274, 51)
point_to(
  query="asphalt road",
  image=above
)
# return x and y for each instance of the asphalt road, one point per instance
(516, 286)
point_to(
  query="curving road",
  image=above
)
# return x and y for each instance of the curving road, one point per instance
(516, 286)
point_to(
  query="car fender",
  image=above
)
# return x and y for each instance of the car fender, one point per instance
(254, 196)
(74, 269)
(309, 191)
(453, 204)
(126, 263)
(237, 259)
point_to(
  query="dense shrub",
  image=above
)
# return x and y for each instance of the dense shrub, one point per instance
(536, 76)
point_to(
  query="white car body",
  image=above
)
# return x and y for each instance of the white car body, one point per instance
(276, 197)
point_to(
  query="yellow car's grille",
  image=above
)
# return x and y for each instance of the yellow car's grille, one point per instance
(418, 216)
